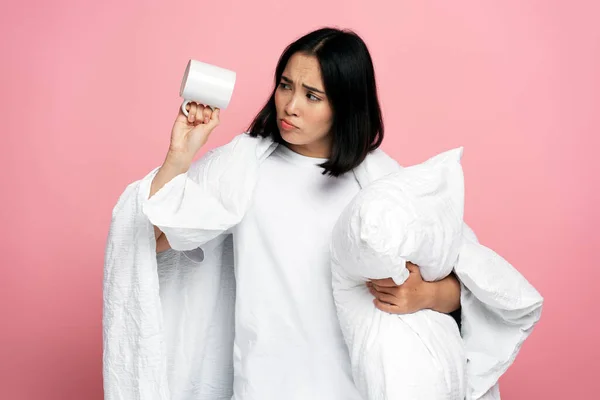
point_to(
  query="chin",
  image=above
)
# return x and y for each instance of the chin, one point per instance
(291, 137)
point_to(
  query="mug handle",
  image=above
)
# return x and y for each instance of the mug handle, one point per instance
(186, 112)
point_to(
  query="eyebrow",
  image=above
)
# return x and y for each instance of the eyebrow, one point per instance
(288, 80)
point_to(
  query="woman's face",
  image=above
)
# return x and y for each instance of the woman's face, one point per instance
(304, 115)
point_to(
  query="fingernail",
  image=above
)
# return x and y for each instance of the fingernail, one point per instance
(206, 120)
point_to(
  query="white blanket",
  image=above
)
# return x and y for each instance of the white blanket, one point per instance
(168, 319)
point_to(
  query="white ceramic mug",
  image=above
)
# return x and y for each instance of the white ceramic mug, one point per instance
(206, 84)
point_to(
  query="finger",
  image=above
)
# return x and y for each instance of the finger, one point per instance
(383, 289)
(206, 114)
(215, 118)
(192, 112)
(384, 297)
(387, 282)
(385, 307)
(199, 114)
(412, 267)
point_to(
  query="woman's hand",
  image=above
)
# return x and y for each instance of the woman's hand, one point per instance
(190, 133)
(413, 295)
(416, 294)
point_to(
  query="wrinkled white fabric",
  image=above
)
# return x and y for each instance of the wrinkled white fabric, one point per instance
(413, 215)
(168, 319)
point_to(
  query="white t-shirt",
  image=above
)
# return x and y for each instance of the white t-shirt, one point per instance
(288, 343)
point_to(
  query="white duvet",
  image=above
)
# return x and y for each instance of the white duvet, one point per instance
(168, 319)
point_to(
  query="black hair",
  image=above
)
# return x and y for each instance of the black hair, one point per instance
(349, 79)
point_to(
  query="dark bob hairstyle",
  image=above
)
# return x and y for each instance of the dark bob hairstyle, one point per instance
(349, 79)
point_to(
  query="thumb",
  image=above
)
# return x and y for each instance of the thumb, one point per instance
(412, 268)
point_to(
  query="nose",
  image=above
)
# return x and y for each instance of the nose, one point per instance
(291, 108)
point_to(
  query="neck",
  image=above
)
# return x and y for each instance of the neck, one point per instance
(321, 149)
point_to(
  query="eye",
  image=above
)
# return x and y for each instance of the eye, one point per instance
(284, 85)
(312, 97)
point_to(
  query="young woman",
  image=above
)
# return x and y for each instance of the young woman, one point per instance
(324, 113)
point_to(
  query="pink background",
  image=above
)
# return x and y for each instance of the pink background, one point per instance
(90, 91)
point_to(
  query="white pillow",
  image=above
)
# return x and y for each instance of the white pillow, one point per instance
(413, 215)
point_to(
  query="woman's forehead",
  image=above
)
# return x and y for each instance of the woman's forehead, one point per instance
(304, 69)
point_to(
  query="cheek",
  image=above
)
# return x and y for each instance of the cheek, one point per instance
(277, 101)
(322, 118)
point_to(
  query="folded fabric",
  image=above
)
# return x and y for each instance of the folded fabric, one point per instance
(413, 215)
(168, 319)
